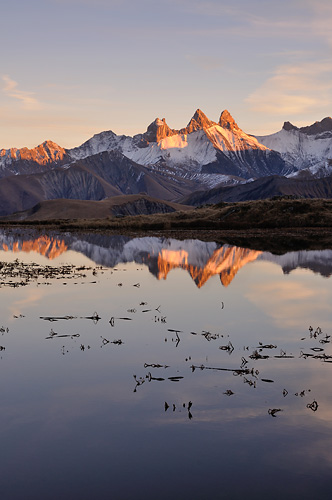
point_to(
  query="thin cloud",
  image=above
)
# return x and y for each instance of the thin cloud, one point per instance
(322, 22)
(290, 303)
(293, 90)
(26, 98)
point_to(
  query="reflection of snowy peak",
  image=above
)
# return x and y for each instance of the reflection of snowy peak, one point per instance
(318, 261)
(309, 149)
(202, 260)
(50, 247)
(119, 249)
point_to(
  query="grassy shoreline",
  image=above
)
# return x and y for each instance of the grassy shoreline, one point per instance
(276, 225)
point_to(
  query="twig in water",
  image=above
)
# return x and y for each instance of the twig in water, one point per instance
(273, 411)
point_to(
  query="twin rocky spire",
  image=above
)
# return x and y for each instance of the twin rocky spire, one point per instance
(159, 129)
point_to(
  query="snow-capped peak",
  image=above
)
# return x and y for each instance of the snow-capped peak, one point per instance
(306, 148)
(46, 153)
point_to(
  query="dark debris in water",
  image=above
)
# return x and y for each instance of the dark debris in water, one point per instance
(273, 411)
(16, 274)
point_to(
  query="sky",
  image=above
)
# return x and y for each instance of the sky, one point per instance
(73, 68)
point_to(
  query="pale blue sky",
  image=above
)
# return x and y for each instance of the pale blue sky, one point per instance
(72, 68)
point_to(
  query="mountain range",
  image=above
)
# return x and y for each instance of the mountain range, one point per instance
(169, 164)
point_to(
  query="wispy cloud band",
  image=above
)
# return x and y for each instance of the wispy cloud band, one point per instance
(294, 89)
(26, 98)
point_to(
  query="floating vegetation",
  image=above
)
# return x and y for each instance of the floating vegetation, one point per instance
(210, 336)
(174, 408)
(257, 355)
(235, 371)
(266, 346)
(313, 406)
(153, 365)
(54, 335)
(284, 355)
(57, 318)
(112, 320)
(229, 347)
(273, 411)
(95, 317)
(18, 274)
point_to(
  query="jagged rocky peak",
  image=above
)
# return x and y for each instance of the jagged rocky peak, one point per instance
(199, 121)
(318, 127)
(51, 148)
(227, 121)
(158, 130)
(289, 126)
(46, 152)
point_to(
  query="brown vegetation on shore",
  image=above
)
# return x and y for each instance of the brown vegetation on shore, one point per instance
(275, 224)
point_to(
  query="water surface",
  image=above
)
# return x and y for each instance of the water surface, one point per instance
(151, 368)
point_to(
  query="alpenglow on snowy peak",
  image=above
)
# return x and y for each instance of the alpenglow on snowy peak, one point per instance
(206, 152)
(19, 161)
(166, 163)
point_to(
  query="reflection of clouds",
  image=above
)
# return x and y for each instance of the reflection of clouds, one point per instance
(290, 303)
(33, 297)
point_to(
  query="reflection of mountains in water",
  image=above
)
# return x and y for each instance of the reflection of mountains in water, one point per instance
(48, 246)
(201, 260)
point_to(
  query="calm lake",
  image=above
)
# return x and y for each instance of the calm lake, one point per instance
(154, 368)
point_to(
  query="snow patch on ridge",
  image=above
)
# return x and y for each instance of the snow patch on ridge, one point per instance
(301, 150)
(226, 140)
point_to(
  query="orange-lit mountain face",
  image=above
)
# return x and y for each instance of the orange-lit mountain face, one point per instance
(226, 261)
(44, 153)
(208, 152)
(159, 129)
(48, 247)
(24, 160)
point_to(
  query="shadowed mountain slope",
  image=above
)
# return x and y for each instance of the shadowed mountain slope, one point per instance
(267, 187)
(93, 178)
